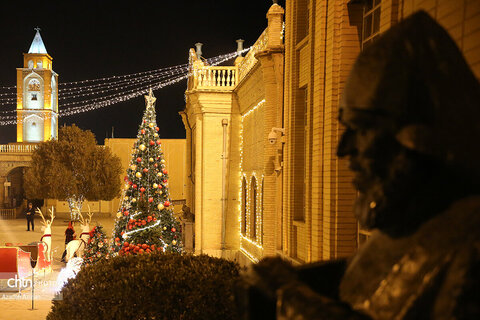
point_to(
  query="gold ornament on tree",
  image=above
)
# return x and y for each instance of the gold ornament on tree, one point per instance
(141, 147)
(138, 175)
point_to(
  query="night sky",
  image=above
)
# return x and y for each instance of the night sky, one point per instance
(95, 39)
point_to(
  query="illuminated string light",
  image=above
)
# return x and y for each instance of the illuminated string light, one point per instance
(76, 92)
(121, 77)
(245, 217)
(9, 88)
(100, 102)
(73, 92)
(248, 254)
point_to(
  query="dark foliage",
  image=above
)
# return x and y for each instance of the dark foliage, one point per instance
(151, 286)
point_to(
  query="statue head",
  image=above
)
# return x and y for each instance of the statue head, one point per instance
(411, 108)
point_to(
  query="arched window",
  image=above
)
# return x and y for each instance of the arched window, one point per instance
(253, 208)
(33, 91)
(261, 213)
(243, 221)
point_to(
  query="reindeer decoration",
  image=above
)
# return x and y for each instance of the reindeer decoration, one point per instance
(76, 247)
(47, 233)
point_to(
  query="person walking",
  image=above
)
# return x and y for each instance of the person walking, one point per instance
(30, 213)
(69, 236)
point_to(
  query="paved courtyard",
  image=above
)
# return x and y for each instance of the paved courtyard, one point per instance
(14, 231)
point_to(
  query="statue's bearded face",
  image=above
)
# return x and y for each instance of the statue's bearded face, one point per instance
(385, 171)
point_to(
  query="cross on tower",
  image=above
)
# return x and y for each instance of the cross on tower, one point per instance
(37, 29)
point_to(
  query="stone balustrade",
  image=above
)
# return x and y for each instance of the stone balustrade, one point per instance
(249, 61)
(216, 78)
(7, 214)
(17, 148)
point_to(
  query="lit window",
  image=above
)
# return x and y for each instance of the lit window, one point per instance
(371, 22)
(34, 97)
(253, 208)
(261, 215)
(244, 207)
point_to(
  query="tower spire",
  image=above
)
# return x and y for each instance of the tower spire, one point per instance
(37, 45)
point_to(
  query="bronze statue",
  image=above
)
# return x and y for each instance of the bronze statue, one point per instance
(411, 108)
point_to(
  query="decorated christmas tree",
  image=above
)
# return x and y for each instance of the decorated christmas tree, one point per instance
(145, 221)
(97, 247)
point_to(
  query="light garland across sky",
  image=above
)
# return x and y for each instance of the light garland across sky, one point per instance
(111, 90)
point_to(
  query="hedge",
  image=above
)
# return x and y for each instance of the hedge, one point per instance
(151, 286)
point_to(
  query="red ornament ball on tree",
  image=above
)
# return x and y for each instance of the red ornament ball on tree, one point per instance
(158, 142)
(134, 186)
(145, 170)
(150, 200)
(142, 189)
(142, 131)
(152, 142)
(164, 171)
(157, 128)
(139, 159)
(166, 203)
(173, 229)
(155, 165)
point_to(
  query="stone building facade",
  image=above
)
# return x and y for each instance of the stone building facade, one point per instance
(262, 134)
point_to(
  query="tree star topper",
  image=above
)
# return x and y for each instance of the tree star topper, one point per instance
(150, 99)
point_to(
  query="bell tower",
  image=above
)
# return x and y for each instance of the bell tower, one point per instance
(37, 95)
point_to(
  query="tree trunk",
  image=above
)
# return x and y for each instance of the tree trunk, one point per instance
(75, 205)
